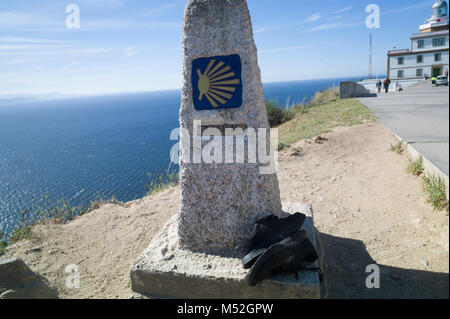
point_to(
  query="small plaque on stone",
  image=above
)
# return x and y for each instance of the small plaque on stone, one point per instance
(216, 82)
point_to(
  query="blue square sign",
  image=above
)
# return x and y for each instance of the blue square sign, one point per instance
(217, 83)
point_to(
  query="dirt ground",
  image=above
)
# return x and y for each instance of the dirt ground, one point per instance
(367, 210)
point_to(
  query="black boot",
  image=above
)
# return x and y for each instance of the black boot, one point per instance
(270, 230)
(285, 257)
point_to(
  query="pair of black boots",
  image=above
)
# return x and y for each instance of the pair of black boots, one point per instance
(276, 247)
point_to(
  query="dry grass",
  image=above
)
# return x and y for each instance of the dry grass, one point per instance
(325, 96)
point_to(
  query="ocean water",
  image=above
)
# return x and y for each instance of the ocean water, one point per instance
(84, 148)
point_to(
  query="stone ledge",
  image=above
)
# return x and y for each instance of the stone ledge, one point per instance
(164, 271)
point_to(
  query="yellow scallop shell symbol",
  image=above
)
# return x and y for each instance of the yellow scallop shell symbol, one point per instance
(217, 83)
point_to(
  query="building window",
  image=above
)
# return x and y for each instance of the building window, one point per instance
(401, 60)
(419, 72)
(400, 73)
(419, 58)
(437, 42)
(437, 57)
(420, 44)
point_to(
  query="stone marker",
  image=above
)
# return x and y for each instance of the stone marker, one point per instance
(221, 88)
(192, 256)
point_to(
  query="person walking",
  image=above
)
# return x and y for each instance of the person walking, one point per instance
(386, 83)
(433, 81)
(379, 86)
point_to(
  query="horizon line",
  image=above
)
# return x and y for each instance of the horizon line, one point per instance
(36, 95)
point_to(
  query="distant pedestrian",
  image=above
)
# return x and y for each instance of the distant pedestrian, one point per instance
(433, 81)
(386, 84)
(379, 86)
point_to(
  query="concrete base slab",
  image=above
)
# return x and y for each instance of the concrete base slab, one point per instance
(165, 271)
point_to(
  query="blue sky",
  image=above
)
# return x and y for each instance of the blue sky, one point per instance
(135, 45)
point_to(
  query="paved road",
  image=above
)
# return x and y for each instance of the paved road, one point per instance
(420, 116)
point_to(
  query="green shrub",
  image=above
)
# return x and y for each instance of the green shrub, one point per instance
(282, 146)
(276, 115)
(436, 192)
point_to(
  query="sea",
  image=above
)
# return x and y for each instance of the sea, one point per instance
(86, 148)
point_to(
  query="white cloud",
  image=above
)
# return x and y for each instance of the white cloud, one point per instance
(59, 52)
(103, 3)
(26, 21)
(130, 52)
(408, 8)
(314, 17)
(16, 47)
(127, 24)
(13, 19)
(335, 25)
(343, 10)
(326, 26)
(26, 40)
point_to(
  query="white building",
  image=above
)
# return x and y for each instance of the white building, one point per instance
(427, 55)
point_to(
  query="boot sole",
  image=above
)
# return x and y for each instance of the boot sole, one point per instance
(261, 270)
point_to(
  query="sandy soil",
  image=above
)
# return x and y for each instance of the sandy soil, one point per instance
(367, 210)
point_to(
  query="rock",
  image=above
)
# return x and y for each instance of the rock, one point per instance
(33, 250)
(296, 152)
(320, 139)
(17, 281)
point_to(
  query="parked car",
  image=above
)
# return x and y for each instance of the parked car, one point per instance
(441, 80)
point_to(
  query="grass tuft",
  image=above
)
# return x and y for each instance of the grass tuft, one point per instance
(416, 167)
(282, 146)
(397, 147)
(3, 243)
(59, 211)
(159, 182)
(436, 192)
(325, 96)
(24, 230)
